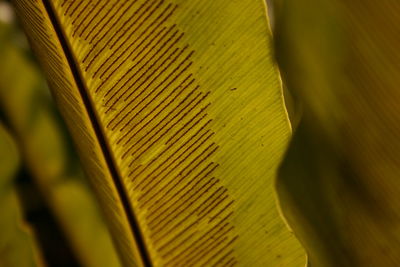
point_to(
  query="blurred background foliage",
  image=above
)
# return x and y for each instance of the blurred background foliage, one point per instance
(41, 183)
(339, 183)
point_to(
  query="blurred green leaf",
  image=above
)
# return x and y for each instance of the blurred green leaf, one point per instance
(340, 180)
(17, 244)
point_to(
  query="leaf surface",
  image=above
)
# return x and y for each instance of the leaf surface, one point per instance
(26, 105)
(177, 111)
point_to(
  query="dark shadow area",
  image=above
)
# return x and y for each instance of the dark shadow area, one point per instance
(53, 244)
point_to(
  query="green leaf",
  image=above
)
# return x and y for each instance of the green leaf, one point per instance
(340, 180)
(26, 104)
(177, 112)
(18, 247)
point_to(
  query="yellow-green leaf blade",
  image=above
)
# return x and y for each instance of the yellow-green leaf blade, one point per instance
(185, 107)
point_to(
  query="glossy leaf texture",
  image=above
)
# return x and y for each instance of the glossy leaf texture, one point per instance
(26, 105)
(339, 181)
(177, 112)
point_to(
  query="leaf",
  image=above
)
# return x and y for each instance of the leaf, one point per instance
(18, 247)
(176, 108)
(340, 178)
(26, 105)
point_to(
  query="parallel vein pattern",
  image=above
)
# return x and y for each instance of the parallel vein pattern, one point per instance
(176, 108)
(42, 37)
(140, 75)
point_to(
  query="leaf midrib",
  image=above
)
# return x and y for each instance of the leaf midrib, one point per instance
(128, 209)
